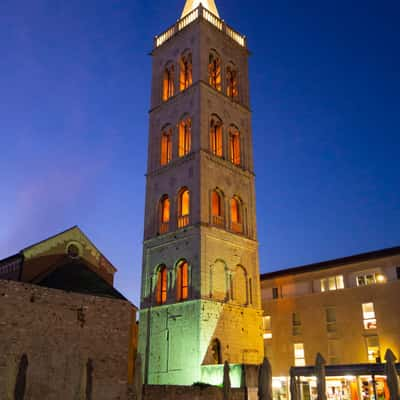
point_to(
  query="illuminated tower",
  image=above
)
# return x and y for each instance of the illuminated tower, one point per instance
(200, 301)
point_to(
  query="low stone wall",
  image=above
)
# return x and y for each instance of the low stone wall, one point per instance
(155, 392)
(56, 345)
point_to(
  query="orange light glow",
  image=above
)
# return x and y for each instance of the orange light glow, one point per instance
(185, 75)
(161, 289)
(232, 90)
(166, 147)
(216, 137)
(182, 281)
(216, 204)
(183, 208)
(236, 217)
(214, 71)
(168, 83)
(185, 203)
(234, 146)
(235, 211)
(185, 139)
(165, 210)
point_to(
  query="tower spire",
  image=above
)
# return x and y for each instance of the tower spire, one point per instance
(193, 4)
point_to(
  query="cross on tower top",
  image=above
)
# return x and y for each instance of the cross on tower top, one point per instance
(193, 4)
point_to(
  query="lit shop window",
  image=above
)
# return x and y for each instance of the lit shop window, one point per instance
(332, 283)
(267, 329)
(370, 278)
(299, 360)
(330, 314)
(369, 318)
(373, 348)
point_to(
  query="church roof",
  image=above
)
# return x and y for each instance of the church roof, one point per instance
(78, 277)
(193, 4)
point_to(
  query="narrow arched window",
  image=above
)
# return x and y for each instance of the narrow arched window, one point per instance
(216, 136)
(232, 89)
(214, 71)
(162, 285)
(217, 208)
(183, 208)
(185, 71)
(236, 215)
(168, 82)
(182, 281)
(185, 137)
(166, 147)
(165, 212)
(216, 351)
(234, 146)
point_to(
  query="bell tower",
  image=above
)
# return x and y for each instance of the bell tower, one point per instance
(200, 299)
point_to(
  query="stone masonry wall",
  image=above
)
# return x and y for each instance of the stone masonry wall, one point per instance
(59, 345)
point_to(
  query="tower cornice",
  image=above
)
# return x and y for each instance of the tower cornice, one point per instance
(199, 14)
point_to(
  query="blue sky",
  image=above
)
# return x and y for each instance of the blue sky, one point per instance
(74, 97)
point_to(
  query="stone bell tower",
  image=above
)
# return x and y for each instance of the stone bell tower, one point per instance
(200, 300)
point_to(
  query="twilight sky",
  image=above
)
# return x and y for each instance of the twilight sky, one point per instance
(74, 97)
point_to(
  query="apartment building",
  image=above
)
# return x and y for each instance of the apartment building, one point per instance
(347, 309)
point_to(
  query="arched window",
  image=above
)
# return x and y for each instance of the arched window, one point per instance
(185, 137)
(216, 136)
(168, 82)
(182, 281)
(185, 71)
(216, 351)
(165, 207)
(232, 89)
(239, 286)
(236, 215)
(166, 147)
(234, 146)
(183, 208)
(217, 208)
(162, 285)
(214, 71)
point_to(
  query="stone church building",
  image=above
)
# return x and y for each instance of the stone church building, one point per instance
(65, 331)
(200, 300)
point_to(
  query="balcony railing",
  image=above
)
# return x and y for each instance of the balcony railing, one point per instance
(218, 221)
(203, 13)
(183, 221)
(164, 227)
(236, 227)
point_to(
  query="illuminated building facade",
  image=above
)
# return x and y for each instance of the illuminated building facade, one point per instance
(200, 300)
(348, 310)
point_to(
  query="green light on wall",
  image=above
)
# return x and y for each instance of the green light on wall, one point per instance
(214, 374)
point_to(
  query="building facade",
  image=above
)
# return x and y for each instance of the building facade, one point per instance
(200, 300)
(66, 332)
(346, 309)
